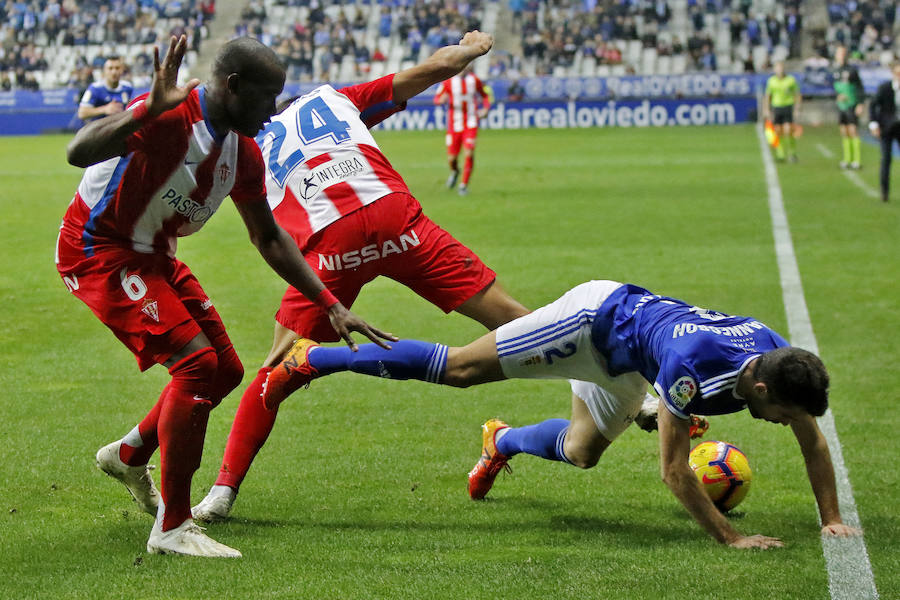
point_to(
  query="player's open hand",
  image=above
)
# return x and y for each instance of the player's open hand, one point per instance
(345, 321)
(478, 41)
(165, 92)
(113, 107)
(761, 542)
(840, 530)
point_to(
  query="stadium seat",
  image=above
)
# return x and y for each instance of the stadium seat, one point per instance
(648, 61)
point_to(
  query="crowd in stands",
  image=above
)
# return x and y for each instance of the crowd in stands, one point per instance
(327, 40)
(866, 27)
(629, 35)
(51, 43)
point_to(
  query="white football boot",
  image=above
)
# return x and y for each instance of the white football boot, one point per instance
(137, 480)
(188, 539)
(216, 506)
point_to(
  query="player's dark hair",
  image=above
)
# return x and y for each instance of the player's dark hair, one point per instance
(283, 104)
(112, 57)
(795, 377)
(248, 57)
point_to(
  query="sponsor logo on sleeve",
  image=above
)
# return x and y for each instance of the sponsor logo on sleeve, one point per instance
(682, 391)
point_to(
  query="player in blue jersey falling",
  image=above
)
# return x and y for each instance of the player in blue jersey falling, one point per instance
(610, 339)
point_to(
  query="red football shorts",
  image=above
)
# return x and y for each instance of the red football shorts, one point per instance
(390, 237)
(151, 302)
(459, 139)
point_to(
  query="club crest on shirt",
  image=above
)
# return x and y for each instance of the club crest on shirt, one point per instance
(150, 309)
(682, 391)
(223, 171)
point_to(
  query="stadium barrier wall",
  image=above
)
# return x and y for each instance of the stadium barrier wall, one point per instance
(587, 114)
(28, 113)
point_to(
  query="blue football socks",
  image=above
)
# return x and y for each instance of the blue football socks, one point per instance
(407, 359)
(544, 439)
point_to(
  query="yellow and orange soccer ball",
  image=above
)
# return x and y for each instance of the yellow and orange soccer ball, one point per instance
(723, 471)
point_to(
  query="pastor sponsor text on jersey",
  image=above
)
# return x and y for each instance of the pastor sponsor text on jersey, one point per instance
(354, 258)
(187, 207)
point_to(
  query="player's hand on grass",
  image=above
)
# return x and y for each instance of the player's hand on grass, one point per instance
(761, 542)
(165, 93)
(345, 321)
(840, 530)
(478, 41)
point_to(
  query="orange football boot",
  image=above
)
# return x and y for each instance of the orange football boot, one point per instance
(290, 374)
(699, 426)
(481, 478)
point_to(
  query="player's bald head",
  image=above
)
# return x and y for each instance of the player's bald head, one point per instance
(248, 58)
(247, 77)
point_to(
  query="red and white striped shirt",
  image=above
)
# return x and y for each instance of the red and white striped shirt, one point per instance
(322, 163)
(174, 177)
(463, 105)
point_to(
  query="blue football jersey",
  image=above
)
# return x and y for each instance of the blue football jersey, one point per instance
(98, 94)
(693, 356)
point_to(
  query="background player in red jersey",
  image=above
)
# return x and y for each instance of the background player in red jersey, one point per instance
(354, 219)
(460, 93)
(156, 172)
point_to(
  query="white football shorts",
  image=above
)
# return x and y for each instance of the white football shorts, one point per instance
(554, 342)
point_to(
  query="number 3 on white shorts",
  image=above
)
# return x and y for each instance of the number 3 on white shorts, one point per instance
(134, 286)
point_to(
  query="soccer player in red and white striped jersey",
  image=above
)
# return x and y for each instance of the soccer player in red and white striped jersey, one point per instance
(155, 172)
(352, 215)
(462, 93)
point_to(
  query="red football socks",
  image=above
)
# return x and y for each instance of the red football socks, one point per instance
(182, 429)
(467, 169)
(252, 425)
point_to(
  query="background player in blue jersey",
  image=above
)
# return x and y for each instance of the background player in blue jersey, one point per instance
(109, 96)
(609, 339)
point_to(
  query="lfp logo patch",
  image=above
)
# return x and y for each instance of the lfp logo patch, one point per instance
(682, 391)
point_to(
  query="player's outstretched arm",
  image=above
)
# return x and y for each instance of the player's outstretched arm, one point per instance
(674, 445)
(282, 254)
(821, 475)
(443, 64)
(106, 137)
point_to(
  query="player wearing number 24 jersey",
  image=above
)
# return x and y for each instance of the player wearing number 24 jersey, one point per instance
(353, 217)
(155, 172)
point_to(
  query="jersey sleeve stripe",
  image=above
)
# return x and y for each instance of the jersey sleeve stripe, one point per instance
(108, 194)
(377, 113)
(713, 380)
(718, 386)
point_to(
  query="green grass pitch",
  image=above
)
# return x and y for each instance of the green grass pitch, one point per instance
(360, 492)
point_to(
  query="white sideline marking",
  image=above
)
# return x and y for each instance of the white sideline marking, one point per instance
(849, 570)
(853, 176)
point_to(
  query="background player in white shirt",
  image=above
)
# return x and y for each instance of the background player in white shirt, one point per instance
(610, 339)
(461, 93)
(153, 173)
(353, 217)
